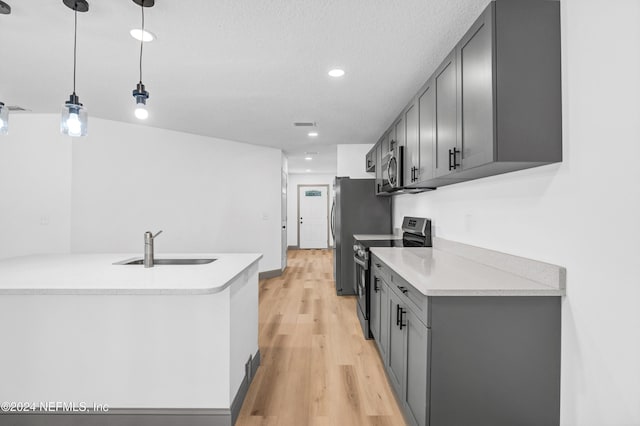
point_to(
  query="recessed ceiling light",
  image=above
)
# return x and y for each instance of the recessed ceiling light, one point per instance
(336, 72)
(308, 170)
(142, 35)
(313, 134)
(308, 158)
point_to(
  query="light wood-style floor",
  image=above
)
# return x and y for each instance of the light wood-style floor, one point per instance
(317, 368)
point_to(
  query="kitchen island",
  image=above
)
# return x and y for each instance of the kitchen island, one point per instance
(172, 344)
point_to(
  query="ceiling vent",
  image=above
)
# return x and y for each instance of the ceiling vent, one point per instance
(304, 124)
(311, 152)
(16, 108)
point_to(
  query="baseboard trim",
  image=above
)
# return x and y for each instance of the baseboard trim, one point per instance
(293, 247)
(236, 405)
(269, 274)
(141, 416)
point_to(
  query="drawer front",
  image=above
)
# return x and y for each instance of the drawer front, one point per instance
(416, 301)
(381, 269)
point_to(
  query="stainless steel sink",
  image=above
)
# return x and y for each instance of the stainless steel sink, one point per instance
(167, 262)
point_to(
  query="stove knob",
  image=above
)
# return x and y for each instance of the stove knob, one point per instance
(361, 253)
(356, 247)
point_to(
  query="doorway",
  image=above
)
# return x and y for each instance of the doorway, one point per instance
(313, 216)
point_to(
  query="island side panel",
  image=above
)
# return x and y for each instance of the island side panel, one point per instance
(244, 326)
(127, 351)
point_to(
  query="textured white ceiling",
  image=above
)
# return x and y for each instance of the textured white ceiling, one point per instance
(240, 70)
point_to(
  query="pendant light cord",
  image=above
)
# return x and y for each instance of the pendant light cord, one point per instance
(75, 42)
(141, 40)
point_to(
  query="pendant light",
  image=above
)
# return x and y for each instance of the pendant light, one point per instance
(4, 119)
(139, 92)
(5, 9)
(74, 115)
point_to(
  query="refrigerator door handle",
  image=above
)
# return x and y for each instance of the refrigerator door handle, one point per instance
(333, 220)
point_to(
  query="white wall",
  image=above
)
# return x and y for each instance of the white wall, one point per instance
(292, 200)
(206, 194)
(35, 187)
(583, 214)
(351, 161)
(102, 192)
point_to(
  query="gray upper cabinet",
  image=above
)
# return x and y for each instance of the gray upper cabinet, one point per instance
(412, 144)
(370, 165)
(494, 104)
(446, 127)
(476, 78)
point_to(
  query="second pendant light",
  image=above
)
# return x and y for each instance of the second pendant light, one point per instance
(139, 93)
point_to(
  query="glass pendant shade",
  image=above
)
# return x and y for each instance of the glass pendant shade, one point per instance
(4, 119)
(141, 111)
(75, 119)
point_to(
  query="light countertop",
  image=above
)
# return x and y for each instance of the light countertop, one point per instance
(435, 272)
(364, 237)
(97, 274)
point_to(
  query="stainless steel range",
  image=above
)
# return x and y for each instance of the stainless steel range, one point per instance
(416, 232)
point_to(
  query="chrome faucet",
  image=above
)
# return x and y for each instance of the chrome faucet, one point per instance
(148, 248)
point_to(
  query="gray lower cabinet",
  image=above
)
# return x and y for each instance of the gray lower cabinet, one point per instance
(383, 343)
(396, 352)
(374, 310)
(468, 360)
(416, 374)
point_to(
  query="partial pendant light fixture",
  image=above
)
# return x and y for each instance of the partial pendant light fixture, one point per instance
(4, 119)
(139, 92)
(74, 114)
(5, 9)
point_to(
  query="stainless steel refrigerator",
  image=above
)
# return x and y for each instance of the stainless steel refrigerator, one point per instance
(356, 210)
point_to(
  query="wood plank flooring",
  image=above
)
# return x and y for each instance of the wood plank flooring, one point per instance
(317, 368)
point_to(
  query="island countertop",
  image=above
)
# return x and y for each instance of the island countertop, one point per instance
(72, 274)
(436, 272)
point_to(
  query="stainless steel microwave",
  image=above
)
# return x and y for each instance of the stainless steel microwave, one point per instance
(392, 169)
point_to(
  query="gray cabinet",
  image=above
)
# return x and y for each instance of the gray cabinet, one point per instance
(396, 353)
(468, 360)
(476, 94)
(446, 118)
(408, 358)
(416, 389)
(378, 158)
(374, 310)
(383, 343)
(370, 160)
(494, 104)
(412, 143)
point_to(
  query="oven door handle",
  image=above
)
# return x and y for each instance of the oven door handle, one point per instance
(361, 263)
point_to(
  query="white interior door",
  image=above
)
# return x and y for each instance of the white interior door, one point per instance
(313, 216)
(283, 207)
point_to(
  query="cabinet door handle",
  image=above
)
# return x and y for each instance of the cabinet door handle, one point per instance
(375, 284)
(378, 265)
(402, 289)
(453, 158)
(397, 314)
(417, 173)
(400, 323)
